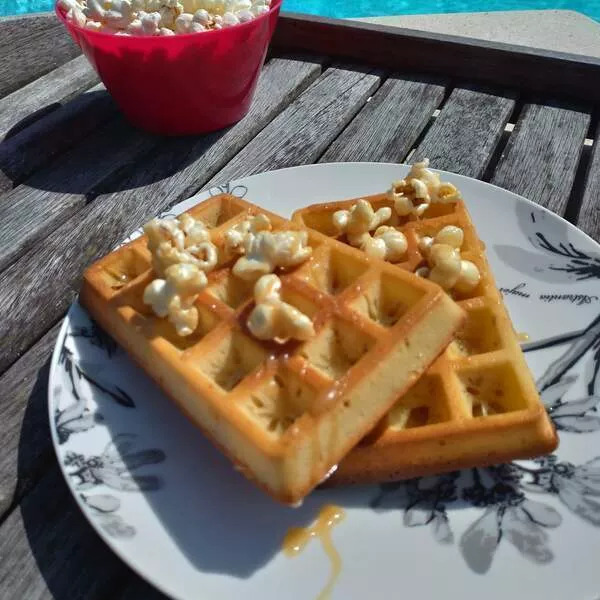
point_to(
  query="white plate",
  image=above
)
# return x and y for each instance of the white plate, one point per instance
(177, 512)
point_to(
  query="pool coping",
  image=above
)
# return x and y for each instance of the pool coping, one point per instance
(549, 29)
(548, 72)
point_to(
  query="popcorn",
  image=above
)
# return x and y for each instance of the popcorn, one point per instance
(356, 223)
(422, 187)
(230, 19)
(185, 24)
(174, 296)
(360, 219)
(446, 267)
(274, 319)
(181, 240)
(161, 17)
(387, 244)
(236, 237)
(266, 251)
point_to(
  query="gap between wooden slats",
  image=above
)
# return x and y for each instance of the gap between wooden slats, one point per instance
(464, 135)
(43, 95)
(541, 157)
(37, 288)
(390, 122)
(31, 52)
(27, 151)
(587, 217)
(301, 133)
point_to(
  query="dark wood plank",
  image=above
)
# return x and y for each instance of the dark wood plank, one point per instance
(32, 148)
(52, 195)
(25, 444)
(481, 61)
(300, 134)
(45, 280)
(59, 85)
(389, 124)
(49, 551)
(589, 214)
(542, 154)
(38, 51)
(16, 30)
(465, 134)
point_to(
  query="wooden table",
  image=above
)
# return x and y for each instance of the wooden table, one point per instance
(75, 179)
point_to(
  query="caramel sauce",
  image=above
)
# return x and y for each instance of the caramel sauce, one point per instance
(297, 538)
(523, 337)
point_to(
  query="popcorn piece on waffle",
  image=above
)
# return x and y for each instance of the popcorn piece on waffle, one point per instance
(422, 187)
(274, 319)
(266, 251)
(174, 296)
(181, 240)
(446, 267)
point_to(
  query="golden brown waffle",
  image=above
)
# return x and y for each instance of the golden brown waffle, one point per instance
(285, 414)
(477, 404)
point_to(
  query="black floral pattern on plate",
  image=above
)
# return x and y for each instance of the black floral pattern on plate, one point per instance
(114, 469)
(77, 417)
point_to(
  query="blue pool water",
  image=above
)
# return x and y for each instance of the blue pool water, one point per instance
(374, 8)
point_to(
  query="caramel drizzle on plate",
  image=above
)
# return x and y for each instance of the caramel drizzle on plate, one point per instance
(297, 538)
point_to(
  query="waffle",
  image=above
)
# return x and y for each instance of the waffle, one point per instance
(477, 404)
(285, 414)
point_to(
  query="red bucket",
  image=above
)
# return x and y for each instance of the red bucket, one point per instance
(181, 84)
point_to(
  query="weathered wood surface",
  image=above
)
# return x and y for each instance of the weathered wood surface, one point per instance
(16, 30)
(53, 134)
(179, 168)
(38, 50)
(588, 218)
(542, 154)
(465, 134)
(491, 63)
(387, 127)
(25, 444)
(40, 95)
(301, 133)
(52, 195)
(48, 550)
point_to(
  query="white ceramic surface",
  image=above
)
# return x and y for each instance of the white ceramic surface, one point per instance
(177, 512)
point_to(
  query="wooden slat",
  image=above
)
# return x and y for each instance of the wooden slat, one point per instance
(389, 124)
(59, 85)
(589, 213)
(16, 30)
(32, 148)
(52, 195)
(404, 50)
(463, 137)
(49, 551)
(44, 281)
(542, 154)
(25, 444)
(38, 51)
(300, 134)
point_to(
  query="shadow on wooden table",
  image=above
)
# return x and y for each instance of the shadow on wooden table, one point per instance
(64, 554)
(42, 152)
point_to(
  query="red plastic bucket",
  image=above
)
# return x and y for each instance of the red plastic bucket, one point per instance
(181, 84)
